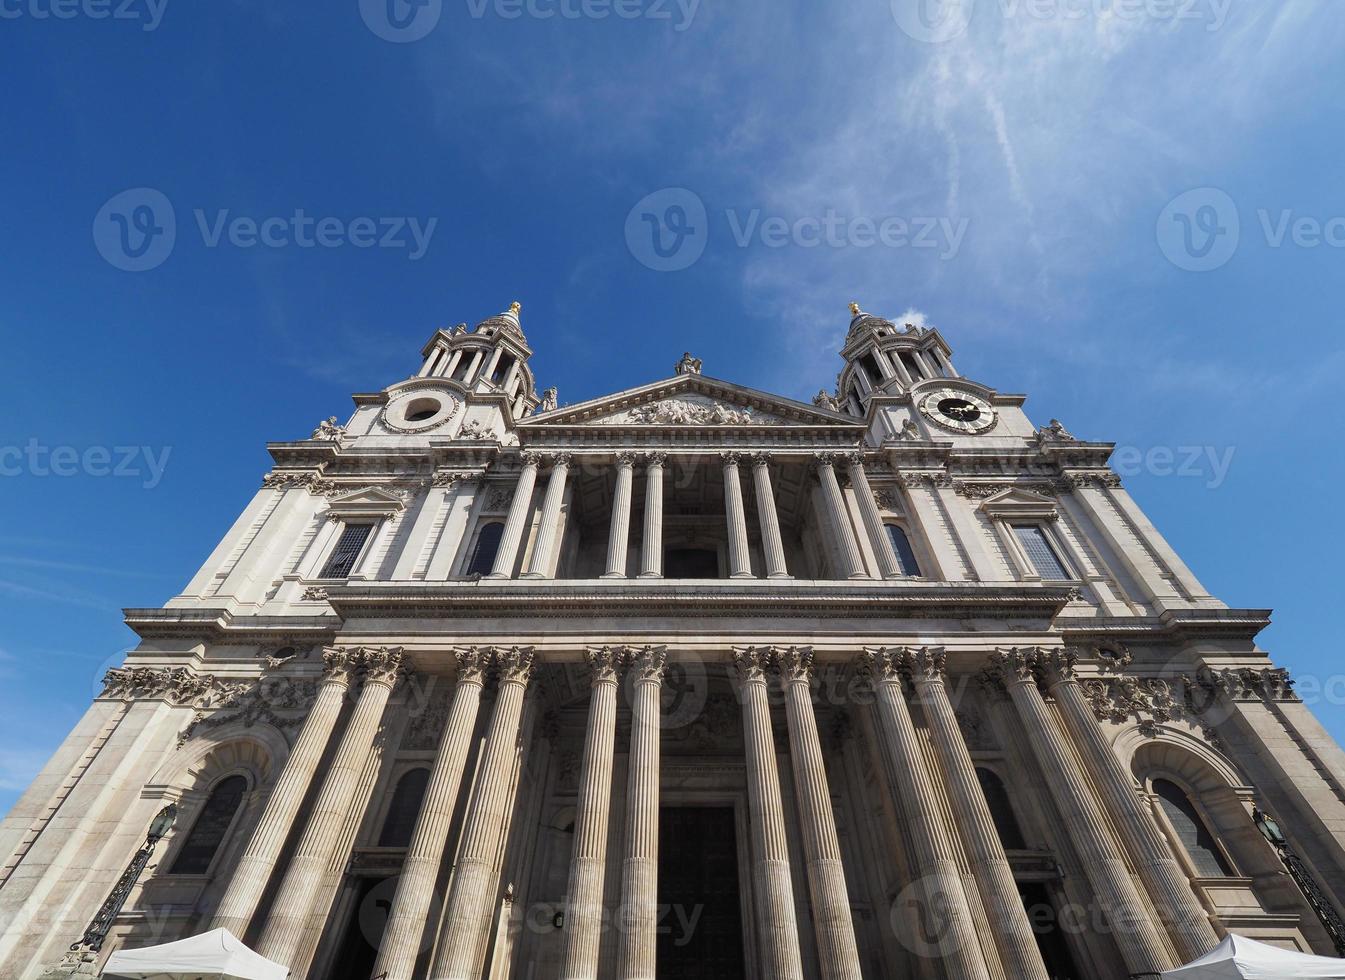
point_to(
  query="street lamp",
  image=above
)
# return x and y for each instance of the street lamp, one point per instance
(1302, 875)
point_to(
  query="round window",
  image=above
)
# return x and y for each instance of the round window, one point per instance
(422, 409)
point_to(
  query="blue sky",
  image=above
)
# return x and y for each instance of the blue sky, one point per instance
(1019, 172)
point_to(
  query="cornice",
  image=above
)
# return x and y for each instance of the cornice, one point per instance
(216, 624)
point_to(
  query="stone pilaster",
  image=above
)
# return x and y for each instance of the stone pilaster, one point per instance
(588, 861)
(294, 902)
(414, 897)
(618, 538)
(740, 562)
(471, 897)
(255, 867)
(1014, 938)
(651, 560)
(548, 531)
(1168, 886)
(517, 519)
(776, 924)
(936, 861)
(835, 929)
(638, 916)
(767, 513)
(852, 564)
(873, 521)
(1136, 935)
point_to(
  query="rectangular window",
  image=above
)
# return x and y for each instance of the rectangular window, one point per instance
(1043, 557)
(347, 550)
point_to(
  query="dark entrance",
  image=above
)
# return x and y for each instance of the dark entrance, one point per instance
(690, 563)
(1041, 912)
(700, 924)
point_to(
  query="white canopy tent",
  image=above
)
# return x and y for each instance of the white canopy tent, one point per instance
(214, 955)
(1238, 958)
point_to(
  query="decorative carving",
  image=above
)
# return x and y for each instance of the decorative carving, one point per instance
(425, 726)
(626, 458)
(1055, 432)
(794, 663)
(472, 664)
(681, 411)
(1147, 699)
(751, 663)
(655, 459)
(887, 499)
(287, 480)
(1058, 665)
(731, 458)
(688, 364)
(561, 459)
(605, 663)
(314, 593)
(514, 664)
(549, 403)
(450, 478)
(824, 399)
(928, 480)
(926, 663)
(329, 431)
(910, 432)
(476, 431)
(281, 702)
(1014, 664)
(648, 663)
(1241, 684)
(882, 664)
(177, 685)
(531, 458)
(382, 665)
(498, 498)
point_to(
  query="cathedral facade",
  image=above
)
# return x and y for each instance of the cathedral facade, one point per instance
(690, 680)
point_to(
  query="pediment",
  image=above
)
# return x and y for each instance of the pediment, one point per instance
(368, 501)
(691, 401)
(1017, 502)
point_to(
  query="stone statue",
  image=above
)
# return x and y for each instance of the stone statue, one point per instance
(1055, 432)
(548, 401)
(823, 399)
(689, 364)
(328, 430)
(910, 432)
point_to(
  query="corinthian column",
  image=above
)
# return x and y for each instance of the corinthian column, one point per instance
(936, 862)
(588, 861)
(518, 516)
(852, 564)
(619, 537)
(1135, 933)
(470, 900)
(821, 848)
(873, 521)
(740, 562)
(549, 529)
(1008, 919)
(298, 892)
(638, 917)
(415, 888)
(254, 869)
(651, 564)
(770, 865)
(1168, 886)
(769, 517)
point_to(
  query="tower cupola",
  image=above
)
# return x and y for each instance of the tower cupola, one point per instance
(882, 357)
(491, 358)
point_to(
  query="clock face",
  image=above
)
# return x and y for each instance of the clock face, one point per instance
(960, 411)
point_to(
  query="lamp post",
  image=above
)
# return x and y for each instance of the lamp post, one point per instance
(1317, 898)
(79, 961)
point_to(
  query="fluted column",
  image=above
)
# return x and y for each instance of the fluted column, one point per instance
(1135, 933)
(852, 564)
(821, 847)
(1008, 919)
(651, 563)
(740, 560)
(255, 867)
(638, 916)
(618, 538)
(588, 860)
(771, 544)
(774, 888)
(470, 899)
(518, 517)
(549, 529)
(294, 901)
(873, 521)
(1167, 884)
(415, 888)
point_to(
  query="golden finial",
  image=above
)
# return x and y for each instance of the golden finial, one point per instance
(854, 309)
(515, 307)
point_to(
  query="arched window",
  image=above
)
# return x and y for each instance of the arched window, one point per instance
(1001, 811)
(400, 823)
(901, 544)
(1191, 830)
(211, 827)
(487, 546)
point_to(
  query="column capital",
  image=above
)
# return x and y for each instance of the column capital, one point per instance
(514, 664)
(472, 663)
(883, 664)
(338, 664)
(605, 664)
(760, 458)
(825, 459)
(794, 663)
(1015, 665)
(647, 663)
(731, 458)
(560, 459)
(927, 663)
(655, 459)
(854, 457)
(1059, 665)
(751, 663)
(627, 458)
(382, 665)
(530, 458)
